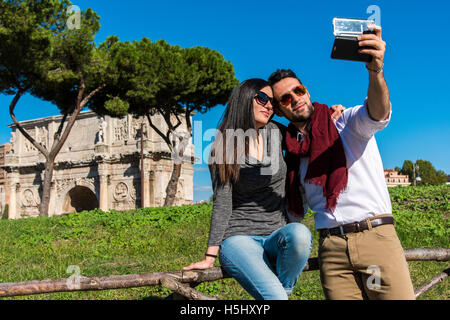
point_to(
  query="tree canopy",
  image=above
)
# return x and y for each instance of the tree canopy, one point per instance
(426, 171)
(159, 78)
(26, 30)
(42, 56)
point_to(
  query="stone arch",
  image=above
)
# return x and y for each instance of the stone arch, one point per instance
(79, 198)
(64, 186)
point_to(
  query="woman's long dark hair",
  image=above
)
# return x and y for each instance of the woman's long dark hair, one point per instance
(238, 115)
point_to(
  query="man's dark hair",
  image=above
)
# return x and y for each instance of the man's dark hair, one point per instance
(280, 74)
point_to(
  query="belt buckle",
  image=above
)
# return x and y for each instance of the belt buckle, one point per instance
(356, 224)
(341, 230)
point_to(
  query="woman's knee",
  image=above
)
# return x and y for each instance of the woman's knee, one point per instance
(298, 235)
(238, 248)
(237, 242)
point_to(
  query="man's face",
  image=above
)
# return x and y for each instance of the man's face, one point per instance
(300, 108)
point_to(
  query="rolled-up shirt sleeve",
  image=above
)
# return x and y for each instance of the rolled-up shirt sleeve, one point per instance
(222, 209)
(359, 121)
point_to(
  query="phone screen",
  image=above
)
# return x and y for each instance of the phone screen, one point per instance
(349, 27)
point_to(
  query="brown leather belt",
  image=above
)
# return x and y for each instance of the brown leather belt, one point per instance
(355, 227)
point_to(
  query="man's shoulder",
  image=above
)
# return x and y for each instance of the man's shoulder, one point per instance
(358, 121)
(348, 114)
(352, 110)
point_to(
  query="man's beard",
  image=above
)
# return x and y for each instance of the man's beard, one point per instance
(302, 118)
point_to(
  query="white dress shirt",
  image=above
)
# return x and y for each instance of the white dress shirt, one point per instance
(366, 194)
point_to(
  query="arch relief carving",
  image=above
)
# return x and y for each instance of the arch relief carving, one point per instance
(121, 191)
(29, 199)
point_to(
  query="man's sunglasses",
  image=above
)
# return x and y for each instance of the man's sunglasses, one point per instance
(262, 98)
(286, 99)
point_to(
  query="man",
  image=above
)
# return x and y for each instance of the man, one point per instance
(335, 168)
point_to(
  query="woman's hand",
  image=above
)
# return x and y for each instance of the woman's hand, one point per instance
(206, 263)
(338, 109)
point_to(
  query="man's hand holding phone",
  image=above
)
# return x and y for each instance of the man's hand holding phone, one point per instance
(378, 48)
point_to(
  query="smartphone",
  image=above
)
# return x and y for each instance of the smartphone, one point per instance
(346, 32)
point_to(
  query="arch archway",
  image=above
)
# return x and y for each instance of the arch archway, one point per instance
(78, 199)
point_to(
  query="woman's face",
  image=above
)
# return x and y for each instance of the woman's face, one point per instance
(263, 112)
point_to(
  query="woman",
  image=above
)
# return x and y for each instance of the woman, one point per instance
(257, 246)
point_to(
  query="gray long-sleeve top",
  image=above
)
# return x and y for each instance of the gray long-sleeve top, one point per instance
(255, 204)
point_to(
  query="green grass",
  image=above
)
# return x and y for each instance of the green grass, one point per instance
(166, 239)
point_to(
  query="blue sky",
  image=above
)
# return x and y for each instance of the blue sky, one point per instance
(260, 36)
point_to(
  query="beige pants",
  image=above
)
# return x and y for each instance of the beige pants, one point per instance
(365, 265)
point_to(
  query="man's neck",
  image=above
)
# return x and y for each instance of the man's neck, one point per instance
(301, 126)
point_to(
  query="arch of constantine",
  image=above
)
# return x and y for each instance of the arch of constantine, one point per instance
(99, 166)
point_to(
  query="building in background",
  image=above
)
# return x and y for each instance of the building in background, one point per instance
(393, 178)
(98, 167)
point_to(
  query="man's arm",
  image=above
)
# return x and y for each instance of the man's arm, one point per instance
(378, 102)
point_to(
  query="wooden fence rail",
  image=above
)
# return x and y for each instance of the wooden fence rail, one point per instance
(182, 282)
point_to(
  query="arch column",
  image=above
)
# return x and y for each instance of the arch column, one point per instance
(103, 197)
(151, 188)
(53, 195)
(13, 180)
(103, 175)
(145, 184)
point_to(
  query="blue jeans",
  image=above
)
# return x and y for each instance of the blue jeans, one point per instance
(250, 260)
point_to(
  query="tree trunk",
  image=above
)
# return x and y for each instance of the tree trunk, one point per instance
(172, 186)
(433, 282)
(46, 187)
(177, 157)
(184, 290)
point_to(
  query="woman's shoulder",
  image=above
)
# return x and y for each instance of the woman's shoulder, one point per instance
(281, 130)
(276, 125)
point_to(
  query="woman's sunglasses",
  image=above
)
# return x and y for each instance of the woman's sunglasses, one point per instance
(262, 98)
(286, 99)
